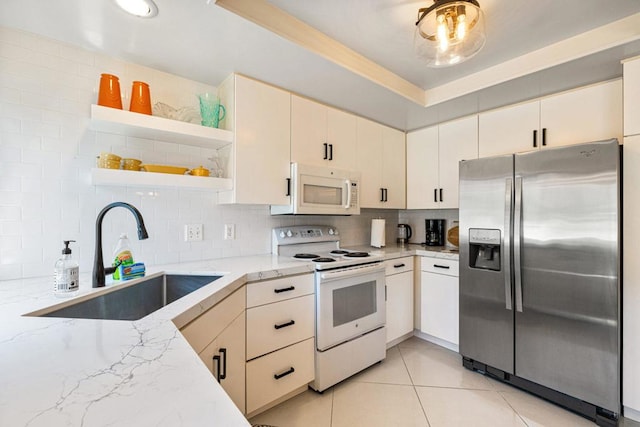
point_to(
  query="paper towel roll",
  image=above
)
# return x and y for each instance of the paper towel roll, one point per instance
(377, 233)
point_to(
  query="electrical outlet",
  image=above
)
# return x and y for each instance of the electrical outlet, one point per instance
(229, 232)
(192, 232)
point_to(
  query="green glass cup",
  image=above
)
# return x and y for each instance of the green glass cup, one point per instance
(211, 111)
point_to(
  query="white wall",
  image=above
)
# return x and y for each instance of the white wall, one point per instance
(47, 152)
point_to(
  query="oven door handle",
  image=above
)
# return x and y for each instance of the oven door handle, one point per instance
(351, 272)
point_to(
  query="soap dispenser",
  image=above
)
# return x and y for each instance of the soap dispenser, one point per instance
(66, 276)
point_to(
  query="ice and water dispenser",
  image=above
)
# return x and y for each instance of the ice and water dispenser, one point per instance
(484, 249)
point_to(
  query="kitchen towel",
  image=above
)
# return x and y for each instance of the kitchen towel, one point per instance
(377, 233)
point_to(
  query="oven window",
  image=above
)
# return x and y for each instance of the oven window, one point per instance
(354, 302)
(322, 195)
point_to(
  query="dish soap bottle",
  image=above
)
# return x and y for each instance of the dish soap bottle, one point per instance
(122, 255)
(66, 273)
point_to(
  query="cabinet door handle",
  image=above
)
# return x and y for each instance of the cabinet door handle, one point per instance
(386, 194)
(446, 267)
(398, 265)
(326, 151)
(284, 374)
(223, 374)
(441, 194)
(385, 292)
(284, 325)
(288, 187)
(330, 151)
(382, 194)
(535, 138)
(290, 288)
(544, 137)
(435, 195)
(216, 361)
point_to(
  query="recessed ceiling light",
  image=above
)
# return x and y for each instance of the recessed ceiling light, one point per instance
(140, 8)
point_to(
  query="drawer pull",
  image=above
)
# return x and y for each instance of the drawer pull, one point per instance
(398, 265)
(284, 374)
(284, 325)
(441, 266)
(290, 288)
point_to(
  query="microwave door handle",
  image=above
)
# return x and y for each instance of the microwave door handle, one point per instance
(347, 184)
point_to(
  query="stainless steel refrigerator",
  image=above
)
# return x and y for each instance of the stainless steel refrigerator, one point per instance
(539, 273)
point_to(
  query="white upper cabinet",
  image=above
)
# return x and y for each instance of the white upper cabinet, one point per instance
(587, 114)
(433, 155)
(458, 140)
(422, 169)
(508, 130)
(631, 75)
(381, 161)
(321, 135)
(258, 160)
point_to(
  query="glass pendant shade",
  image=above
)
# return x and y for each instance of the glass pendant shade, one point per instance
(449, 32)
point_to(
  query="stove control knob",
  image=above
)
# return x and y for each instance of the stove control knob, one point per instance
(335, 232)
(282, 234)
(331, 231)
(289, 233)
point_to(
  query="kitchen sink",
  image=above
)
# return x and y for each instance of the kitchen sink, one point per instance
(134, 301)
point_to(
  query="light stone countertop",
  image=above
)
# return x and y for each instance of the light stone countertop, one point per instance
(83, 372)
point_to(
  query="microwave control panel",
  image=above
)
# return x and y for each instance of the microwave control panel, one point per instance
(354, 195)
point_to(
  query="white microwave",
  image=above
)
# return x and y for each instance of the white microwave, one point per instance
(317, 190)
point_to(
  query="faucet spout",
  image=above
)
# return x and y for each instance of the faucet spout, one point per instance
(99, 270)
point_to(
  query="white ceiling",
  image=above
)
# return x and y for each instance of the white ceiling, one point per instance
(202, 41)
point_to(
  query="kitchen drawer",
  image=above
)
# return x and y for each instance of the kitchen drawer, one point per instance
(266, 379)
(269, 328)
(268, 291)
(205, 328)
(448, 267)
(398, 265)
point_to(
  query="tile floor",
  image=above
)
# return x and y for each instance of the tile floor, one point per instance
(420, 384)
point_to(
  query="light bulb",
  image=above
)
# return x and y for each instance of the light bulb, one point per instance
(443, 36)
(461, 28)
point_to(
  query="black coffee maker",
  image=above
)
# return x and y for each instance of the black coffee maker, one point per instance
(434, 232)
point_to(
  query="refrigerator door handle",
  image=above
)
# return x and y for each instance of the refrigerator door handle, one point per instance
(517, 242)
(506, 262)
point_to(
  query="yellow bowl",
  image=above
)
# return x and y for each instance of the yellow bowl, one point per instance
(199, 171)
(109, 156)
(109, 164)
(131, 164)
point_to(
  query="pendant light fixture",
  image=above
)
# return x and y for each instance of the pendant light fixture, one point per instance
(139, 8)
(449, 32)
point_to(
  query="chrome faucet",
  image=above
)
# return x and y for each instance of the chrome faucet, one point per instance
(99, 270)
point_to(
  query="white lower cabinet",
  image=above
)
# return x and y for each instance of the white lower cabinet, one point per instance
(439, 300)
(399, 292)
(276, 374)
(225, 359)
(280, 339)
(218, 336)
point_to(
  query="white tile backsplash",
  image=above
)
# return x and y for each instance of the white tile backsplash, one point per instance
(47, 151)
